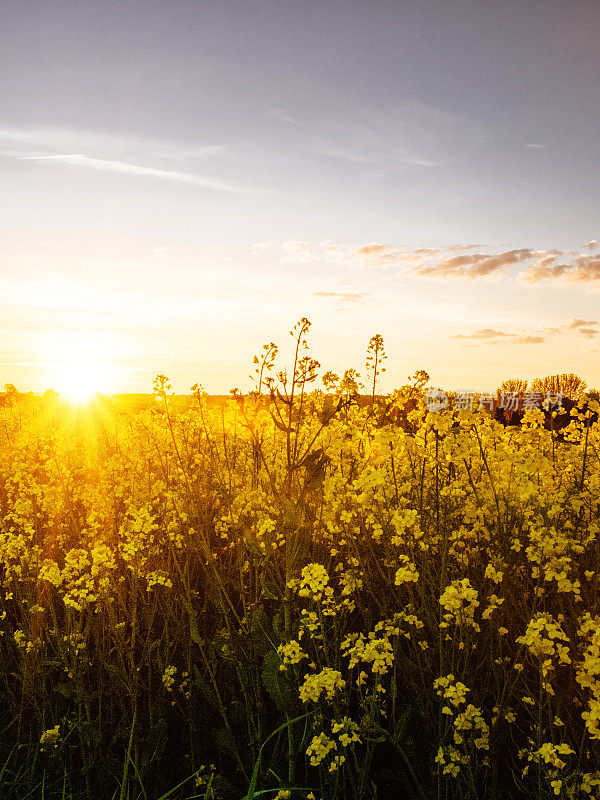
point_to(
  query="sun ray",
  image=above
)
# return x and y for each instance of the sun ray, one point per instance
(80, 365)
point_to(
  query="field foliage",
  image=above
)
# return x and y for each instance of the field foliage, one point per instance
(296, 595)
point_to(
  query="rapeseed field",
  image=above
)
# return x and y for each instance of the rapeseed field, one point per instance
(297, 595)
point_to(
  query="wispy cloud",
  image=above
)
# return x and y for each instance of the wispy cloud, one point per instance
(350, 156)
(110, 152)
(582, 327)
(345, 297)
(105, 165)
(473, 265)
(419, 162)
(260, 247)
(528, 340)
(73, 140)
(407, 137)
(294, 246)
(493, 336)
(286, 117)
(371, 255)
(482, 333)
(535, 146)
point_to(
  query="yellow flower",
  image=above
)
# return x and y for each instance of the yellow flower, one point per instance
(291, 653)
(347, 730)
(459, 600)
(528, 700)
(362, 677)
(493, 574)
(319, 748)
(454, 692)
(326, 682)
(168, 678)
(50, 737)
(407, 572)
(314, 583)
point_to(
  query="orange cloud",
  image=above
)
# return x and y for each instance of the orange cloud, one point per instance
(483, 333)
(347, 297)
(455, 261)
(473, 265)
(586, 327)
(528, 340)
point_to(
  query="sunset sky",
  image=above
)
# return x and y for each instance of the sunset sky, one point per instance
(181, 181)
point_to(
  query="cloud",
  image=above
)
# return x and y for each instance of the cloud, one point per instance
(346, 297)
(123, 167)
(419, 162)
(493, 336)
(119, 153)
(473, 265)
(577, 326)
(528, 340)
(455, 262)
(581, 268)
(535, 146)
(344, 155)
(588, 331)
(293, 246)
(286, 118)
(591, 245)
(581, 323)
(69, 140)
(372, 249)
(483, 333)
(371, 255)
(260, 246)
(586, 327)
(404, 137)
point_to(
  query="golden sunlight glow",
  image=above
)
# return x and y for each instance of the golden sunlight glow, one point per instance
(78, 381)
(79, 365)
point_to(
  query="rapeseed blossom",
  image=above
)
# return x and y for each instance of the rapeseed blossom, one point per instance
(325, 683)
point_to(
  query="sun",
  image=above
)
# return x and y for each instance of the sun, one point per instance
(79, 381)
(80, 365)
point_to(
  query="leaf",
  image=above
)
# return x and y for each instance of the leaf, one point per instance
(252, 793)
(66, 689)
(279, 424)
(400, 727)
(205, 689)
(274, 681)
(266, 593)
(223, 739)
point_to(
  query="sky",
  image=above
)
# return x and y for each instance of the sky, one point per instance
(181, 181)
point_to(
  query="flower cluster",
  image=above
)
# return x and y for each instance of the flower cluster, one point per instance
(325, 683)
(459, 601)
